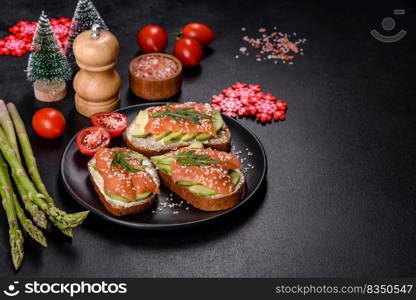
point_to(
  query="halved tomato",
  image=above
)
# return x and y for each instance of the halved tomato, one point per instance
(114, 123)
(91, 139)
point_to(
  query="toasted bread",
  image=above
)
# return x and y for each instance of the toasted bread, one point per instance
(212, 203)
(116, 207)
(149, 146)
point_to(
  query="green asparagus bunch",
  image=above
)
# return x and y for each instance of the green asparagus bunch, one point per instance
(35, 197)
(15, 235)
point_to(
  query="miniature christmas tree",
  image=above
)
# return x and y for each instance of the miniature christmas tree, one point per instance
(85, 16)
(48, 67)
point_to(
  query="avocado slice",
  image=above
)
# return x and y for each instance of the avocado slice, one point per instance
(202, 190)
(217, 120)
(161, 136)
(156, 158)
(162, 163)
(117, 197)
(162, 159)
(188, 137)
(139, 196)
(203, 137)
(140, 134)
(197, 144)
(164, 168)
(142, 196)
(139, 124)
(235, 177)
(172, 137)
(186, 183)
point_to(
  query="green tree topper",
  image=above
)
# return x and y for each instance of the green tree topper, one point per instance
(47, 63)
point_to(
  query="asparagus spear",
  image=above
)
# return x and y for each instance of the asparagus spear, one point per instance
(27, 151)
(15, 235)
(8, 128)
(5, 121)
(58, 217)
(38, 216)
(27, 224)
(29, 157)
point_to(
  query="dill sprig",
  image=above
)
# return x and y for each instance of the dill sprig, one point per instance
(181, 113)
(189, 158)
(119, 159)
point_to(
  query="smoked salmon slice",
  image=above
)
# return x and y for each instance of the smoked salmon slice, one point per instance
(226, 160)
(214, 176)
(160, 124)
(120, 181)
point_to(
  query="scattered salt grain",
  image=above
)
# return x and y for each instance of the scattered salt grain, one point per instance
(274, 46)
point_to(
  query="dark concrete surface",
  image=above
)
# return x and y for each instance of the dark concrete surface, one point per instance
(340, 193)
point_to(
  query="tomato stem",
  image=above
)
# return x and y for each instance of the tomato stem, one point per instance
(178, 35)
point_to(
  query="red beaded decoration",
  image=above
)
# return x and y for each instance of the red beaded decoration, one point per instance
(229, 106)
(243, 99)
(19, 41)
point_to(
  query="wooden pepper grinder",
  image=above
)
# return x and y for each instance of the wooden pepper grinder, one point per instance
(97, 84)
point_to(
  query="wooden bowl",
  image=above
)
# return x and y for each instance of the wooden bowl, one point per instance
(156, 89)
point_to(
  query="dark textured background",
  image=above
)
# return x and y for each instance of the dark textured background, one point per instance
(340, 195)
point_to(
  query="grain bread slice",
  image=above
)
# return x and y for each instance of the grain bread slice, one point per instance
(148, 146)
(213, 203)
(116, 207)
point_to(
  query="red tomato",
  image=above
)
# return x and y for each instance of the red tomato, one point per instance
(202, 33)
(188, 51)
(114, 123)
(48, 123)
(152, 38)
(91, 139)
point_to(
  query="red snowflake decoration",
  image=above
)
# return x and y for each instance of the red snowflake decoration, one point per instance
(238, 85)
(265, 110)
(229, 106)
(20, 40)
(12, 46)
(243, 99)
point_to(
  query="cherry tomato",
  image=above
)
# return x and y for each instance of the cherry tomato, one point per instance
(114, 123)
(188, 51)
(152, 38)
(48, 123)
(91, 139)
(202, 33)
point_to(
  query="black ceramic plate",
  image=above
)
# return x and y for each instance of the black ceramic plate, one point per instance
(170, 211)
